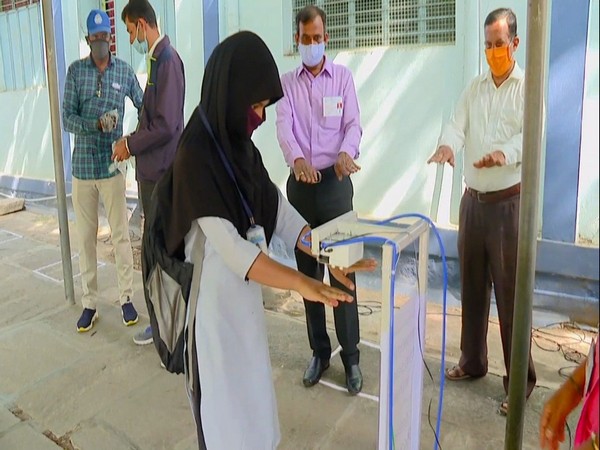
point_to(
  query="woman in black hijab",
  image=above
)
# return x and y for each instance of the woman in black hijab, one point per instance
(220, 199)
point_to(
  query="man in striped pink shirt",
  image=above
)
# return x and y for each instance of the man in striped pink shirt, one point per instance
(319, 132)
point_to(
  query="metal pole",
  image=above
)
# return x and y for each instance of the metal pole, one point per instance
(59, 171)
(528, 221)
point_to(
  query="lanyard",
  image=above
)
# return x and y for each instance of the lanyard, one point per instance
(227, 165)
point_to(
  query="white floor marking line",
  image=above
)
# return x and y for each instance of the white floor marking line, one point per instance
(366, 343)
(39, 270)
(343, 388)
(370, 344)
(14, 237)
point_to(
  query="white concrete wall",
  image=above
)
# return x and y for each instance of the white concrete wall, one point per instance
(189, 44)
(25, 134)
(405, 93)
(588, 208)
(26, 145)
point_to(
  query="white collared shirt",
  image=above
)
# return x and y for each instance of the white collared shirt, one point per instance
(158, 39)
(150, 53)
(489, 118)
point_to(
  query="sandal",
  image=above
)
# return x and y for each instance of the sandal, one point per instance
(503, 408)
(456, 374)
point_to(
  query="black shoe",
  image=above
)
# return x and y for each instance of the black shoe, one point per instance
(87, 319)
(354, 379)
(313, 372)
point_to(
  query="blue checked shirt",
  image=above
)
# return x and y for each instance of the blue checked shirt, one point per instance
(89, 94)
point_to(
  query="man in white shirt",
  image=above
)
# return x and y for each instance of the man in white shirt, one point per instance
(488, 124)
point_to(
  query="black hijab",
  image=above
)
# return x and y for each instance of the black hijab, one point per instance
(240, 72)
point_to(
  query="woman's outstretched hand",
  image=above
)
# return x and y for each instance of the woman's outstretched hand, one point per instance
(317, 291)
(364, 265)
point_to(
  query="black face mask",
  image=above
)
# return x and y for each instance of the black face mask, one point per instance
(254, 121)
(99, 49)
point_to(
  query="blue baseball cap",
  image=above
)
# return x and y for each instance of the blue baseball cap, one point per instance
(98, 22)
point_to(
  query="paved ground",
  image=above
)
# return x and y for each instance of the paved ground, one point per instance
(61, 389)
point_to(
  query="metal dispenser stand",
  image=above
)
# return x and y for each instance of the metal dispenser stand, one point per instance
(401, 367)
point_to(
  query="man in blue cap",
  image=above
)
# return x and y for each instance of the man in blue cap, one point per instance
(93, 105)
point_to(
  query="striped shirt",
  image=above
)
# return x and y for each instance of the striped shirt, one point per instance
(90, 93)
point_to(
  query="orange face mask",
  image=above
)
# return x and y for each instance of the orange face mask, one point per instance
(499, 60)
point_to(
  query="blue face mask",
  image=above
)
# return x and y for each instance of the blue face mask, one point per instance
(140, 47)
(312, 54)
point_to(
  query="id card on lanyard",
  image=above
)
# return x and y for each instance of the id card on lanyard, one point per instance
(256, 235)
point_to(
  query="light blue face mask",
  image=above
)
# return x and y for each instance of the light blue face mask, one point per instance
(140, 47)
(312, 54)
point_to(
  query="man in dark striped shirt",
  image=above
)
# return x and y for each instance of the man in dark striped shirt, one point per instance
(93, 108)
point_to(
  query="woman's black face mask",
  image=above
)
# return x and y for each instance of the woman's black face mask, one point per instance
(254, 121)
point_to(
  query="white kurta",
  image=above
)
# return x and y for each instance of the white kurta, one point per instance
(238, 407)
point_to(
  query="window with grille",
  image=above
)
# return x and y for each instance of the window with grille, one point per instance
(21, 45)
(372, 23)
(7, 5)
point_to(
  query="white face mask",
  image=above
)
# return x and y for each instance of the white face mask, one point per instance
(140, 47)
(312, 54)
